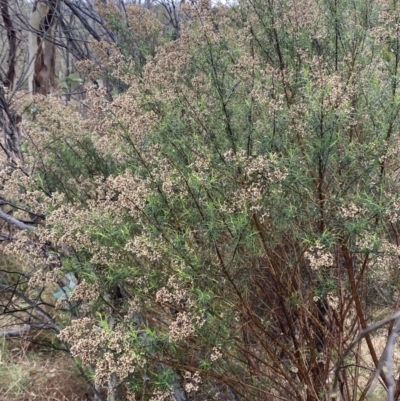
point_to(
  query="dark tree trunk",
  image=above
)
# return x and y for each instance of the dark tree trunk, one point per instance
(9, 79)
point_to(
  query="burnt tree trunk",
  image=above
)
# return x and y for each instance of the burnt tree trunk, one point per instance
(10, 127)
(9, 79)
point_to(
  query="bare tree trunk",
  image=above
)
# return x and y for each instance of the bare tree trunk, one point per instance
(42, 52)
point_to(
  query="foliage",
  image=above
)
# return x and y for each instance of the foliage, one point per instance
(232, 212)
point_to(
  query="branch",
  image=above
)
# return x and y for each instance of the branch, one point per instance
(6, 202)
(15, 332)
(83, 21)
(5, 238)
(22, 330)
(15, 222)
(363, 334)
(387, 358)
(51, 322)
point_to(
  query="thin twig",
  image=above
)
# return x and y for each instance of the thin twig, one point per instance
(362, 334)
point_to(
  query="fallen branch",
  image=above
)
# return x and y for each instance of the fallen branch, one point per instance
(24, 329)
(16, 332)
(15, 222)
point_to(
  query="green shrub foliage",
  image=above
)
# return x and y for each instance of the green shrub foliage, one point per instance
(231, 216)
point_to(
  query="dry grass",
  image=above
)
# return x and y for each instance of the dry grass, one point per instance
(27, 375)
(30, 373)
(379, 340)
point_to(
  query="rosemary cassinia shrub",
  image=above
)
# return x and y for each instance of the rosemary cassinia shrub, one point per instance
(232, 213)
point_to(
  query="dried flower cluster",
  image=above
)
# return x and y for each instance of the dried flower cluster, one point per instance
(108, 351)
(319, 257)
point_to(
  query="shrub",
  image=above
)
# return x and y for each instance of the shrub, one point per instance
(232, 214)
